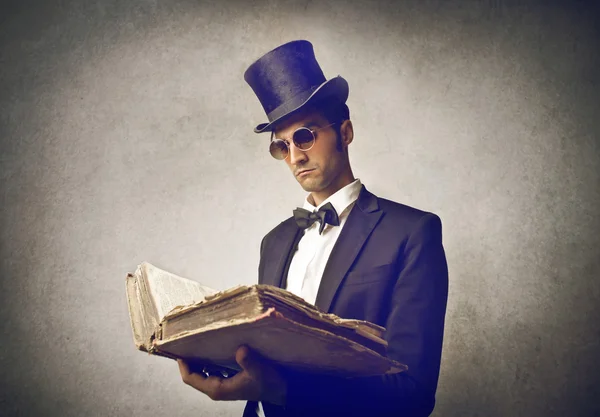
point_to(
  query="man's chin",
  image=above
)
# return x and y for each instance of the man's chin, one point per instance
(307, 185)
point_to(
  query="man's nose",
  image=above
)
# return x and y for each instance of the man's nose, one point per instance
(296, 155)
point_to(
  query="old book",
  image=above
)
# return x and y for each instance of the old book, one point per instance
(179, 318)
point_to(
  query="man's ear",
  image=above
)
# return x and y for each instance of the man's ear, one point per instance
(347, 132)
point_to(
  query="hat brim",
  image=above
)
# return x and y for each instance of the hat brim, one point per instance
(336, 88)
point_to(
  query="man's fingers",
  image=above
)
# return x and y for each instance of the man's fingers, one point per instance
(249, 361)
(217, 389)
(262, 379)
(241, 356)
(183, 368)
(247, 384)
(193, 379)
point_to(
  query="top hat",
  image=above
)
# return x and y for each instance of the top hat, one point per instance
(288, 78)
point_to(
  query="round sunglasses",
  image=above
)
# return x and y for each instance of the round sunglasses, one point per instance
(303, 138)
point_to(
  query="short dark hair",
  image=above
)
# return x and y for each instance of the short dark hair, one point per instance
(334, 112)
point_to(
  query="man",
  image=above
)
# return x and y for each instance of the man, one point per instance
(347, 251)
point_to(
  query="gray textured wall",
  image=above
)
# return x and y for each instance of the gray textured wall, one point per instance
(126, 135)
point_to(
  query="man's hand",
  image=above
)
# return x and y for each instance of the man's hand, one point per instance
(258, 380)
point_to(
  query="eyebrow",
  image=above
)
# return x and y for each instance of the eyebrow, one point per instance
(310, 123)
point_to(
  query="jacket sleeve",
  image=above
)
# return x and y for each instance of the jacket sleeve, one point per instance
(414, 331)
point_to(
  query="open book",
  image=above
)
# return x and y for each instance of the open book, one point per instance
(179, 318)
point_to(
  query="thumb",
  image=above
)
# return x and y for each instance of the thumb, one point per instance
(249, 361)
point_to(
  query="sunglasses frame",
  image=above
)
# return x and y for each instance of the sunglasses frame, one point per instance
(287, 142)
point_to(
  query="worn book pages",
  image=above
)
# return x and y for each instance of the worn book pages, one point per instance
(178, 318)
(152, 293)
(169, 290)
(286, 342)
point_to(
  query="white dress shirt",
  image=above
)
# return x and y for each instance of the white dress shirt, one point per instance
(309, 260)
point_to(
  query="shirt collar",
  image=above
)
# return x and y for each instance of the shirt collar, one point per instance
(341, 199)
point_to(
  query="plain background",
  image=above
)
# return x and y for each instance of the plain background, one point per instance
(126, 135)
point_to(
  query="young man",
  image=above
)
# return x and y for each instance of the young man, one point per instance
(347, 251)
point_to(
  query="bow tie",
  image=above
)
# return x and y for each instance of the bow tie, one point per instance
(325, 214)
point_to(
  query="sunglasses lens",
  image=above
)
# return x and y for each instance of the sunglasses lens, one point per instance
(278, 149)
(303, 138)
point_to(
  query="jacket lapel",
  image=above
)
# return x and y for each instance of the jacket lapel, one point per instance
(282, 249)
(360, 223)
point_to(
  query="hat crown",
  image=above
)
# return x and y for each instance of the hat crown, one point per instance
(288, 78)
(284, 73)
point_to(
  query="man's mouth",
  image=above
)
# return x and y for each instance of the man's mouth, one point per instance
(304, 172)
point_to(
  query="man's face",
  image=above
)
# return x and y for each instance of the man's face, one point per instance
(320, 168)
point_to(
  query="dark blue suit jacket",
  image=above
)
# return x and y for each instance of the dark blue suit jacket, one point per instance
(388, 267)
